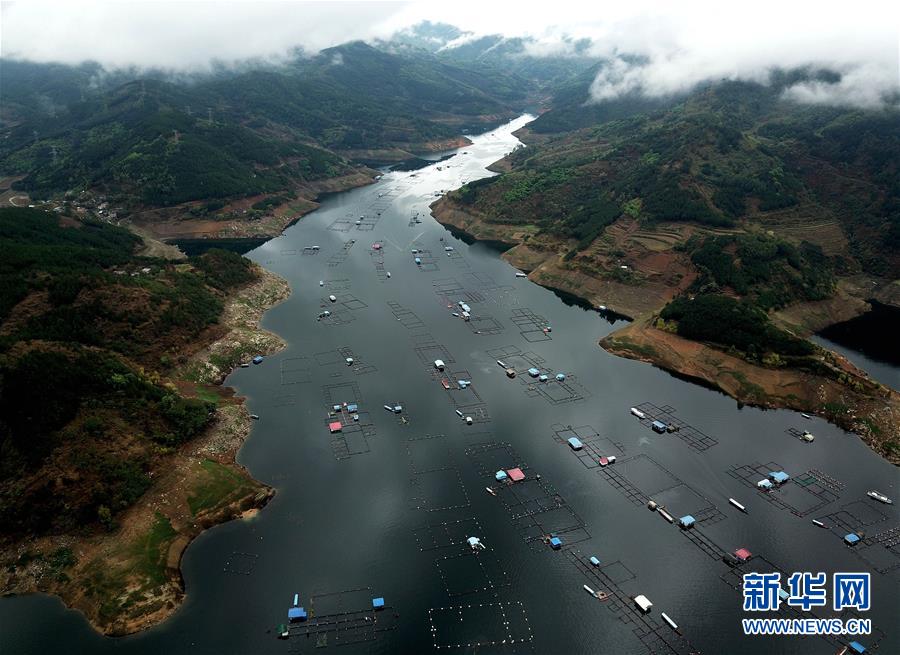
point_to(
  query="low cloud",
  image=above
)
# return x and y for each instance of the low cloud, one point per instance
(650, 46)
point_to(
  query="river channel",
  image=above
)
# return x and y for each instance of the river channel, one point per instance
(382, 509)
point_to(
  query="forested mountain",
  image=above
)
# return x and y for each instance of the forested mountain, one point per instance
(163, 140)
(88, 329)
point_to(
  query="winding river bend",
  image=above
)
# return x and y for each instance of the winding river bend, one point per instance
(383, 507)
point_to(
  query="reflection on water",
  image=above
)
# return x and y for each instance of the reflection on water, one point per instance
(383, 508)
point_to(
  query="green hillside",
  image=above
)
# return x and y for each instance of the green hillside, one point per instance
(86, 332)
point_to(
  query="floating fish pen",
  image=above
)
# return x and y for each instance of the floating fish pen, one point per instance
(594, 448)
(533, 327)
(801, 495)
(480, 626)
(665, 415)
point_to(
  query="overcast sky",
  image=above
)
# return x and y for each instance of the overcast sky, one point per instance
(684, 42)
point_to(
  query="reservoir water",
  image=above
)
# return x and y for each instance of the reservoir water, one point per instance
(382, 509)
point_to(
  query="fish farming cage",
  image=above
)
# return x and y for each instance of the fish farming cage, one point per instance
(447, 534)
(853, 517)
(342, 254)
(281, 398)
(405, 317)
(295, 370)
(430, 351)
(514, 358)
(337, 317)
(344, 617)
(881, 551)
(459, 396)
(378, 263)
(640, 477)
(353, 439)
(702, 541)
(344, 224)
(609, 579)
(438, 489)
(555, 392)
(690, 435)
(467, 572)
(531, 326)
(485, 325)
(240, 563)
(802, 494)
(456, 257)
(346, 300)
(535, 508)
(428, 263)
(337, 284)
(289, 252)
(427, 452)
(309, 251)
(490, 456)
(498, 627)
(593, 445)
(477, 411)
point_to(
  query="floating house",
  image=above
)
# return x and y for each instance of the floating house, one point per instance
(686, 522)
(334, 426)
(418, 261)
(658, 426)
(439, 364)
(533, 372)
(643, 603)
(851, 539)
(575, 443)
(510, 372)
(856, 647)
(556, 543)
(296, 614)
(515, 474)
(378, 603)
(352, 407)
(543, 377)
(332, 298)
(560, 377)
(500, 476)
(779, 477)
(594, 561)
(743, 554)
(765, 485)
(258, 359)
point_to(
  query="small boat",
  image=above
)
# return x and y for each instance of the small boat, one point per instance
(296, 600)
(521, 275)
(808, 437)
(283, 631)
(255, 417)
(663, 513)
(636, 412)
(819, 523)
(738, 505)
(501, 364)
(388, 408)
(602, 308)
(491, 491)
(445, 384)
(388, 273)
(245, 365)
(806, 416)
(670, 622)
(880, 497)
(321, 283)
(590, 591)
(332, 298)
(459, 413)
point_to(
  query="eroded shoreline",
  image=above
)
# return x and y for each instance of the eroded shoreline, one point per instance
(130, 579)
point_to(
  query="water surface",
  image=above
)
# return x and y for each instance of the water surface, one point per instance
(384, 514)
